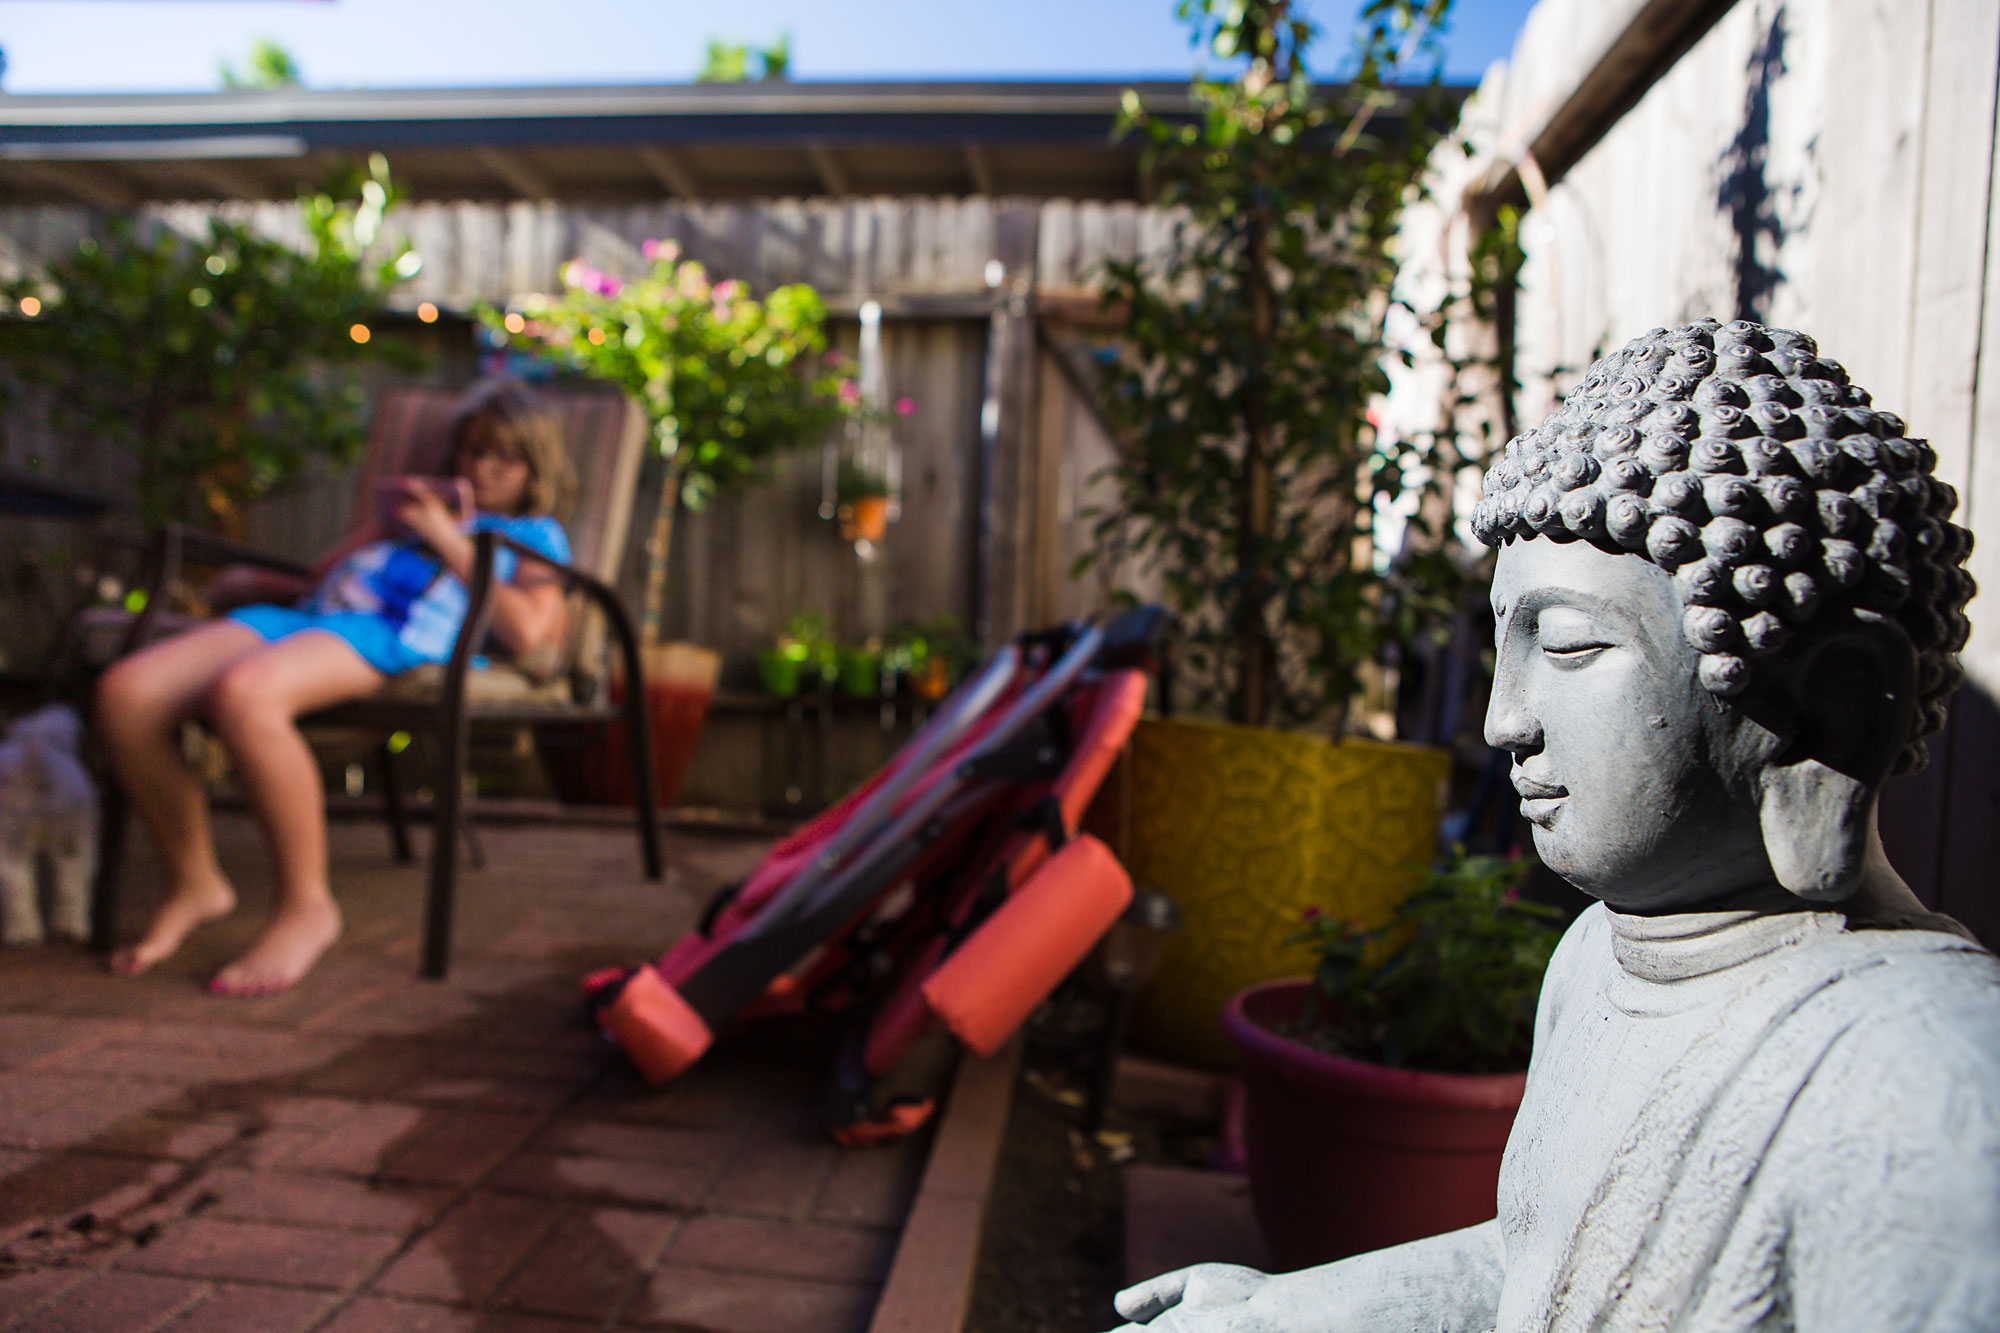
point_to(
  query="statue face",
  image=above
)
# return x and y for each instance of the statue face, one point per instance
(1625, 765)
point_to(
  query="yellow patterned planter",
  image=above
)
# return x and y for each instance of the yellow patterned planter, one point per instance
(1244, 828)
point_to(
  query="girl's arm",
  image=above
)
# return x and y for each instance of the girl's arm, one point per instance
(528, 609)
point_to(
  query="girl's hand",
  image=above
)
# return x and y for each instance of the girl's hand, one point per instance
(424, 512)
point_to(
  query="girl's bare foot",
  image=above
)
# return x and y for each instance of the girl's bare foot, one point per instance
(188, 906)
(297, 935)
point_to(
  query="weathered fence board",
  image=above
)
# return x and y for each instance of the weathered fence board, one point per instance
(1829, 166)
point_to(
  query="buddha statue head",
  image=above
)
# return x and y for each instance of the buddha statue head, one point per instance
(1728, 600)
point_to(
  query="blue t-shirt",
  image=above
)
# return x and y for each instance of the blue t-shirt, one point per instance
(404, 584)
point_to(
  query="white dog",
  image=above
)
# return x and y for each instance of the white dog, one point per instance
(48, 807)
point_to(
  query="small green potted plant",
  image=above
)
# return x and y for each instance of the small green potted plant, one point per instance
(861, 670)
(932, 655)
(1389, 1078)
(803, 654)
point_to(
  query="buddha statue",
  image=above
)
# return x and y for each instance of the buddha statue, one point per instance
(1765, 1087)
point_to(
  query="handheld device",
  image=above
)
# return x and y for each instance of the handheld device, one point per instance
(456, 492)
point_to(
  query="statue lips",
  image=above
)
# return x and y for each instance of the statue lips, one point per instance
(1539, 800)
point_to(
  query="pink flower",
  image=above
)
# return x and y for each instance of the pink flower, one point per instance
(850, 392)
(650, 247)
(905, 406)
(606, 285)
(831, 358)
(725, 291)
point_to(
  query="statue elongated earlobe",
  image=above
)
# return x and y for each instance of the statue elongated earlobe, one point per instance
(1815, 821)
(1850, 699)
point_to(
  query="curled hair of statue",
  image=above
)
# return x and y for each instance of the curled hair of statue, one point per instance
(1738, 460)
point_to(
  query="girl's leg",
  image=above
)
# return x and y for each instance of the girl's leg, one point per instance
(253, 707)
(142, 700)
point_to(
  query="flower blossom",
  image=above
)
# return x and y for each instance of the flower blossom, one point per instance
(905, 405)
(850, 392)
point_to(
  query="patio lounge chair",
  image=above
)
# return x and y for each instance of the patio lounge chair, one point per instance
(606, 436)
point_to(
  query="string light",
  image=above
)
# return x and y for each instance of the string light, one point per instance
(427, 312)
(30, 306)
(514, 322)
(359, 333)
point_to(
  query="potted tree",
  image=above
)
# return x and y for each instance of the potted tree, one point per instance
(1379, 1091)
(730, 383)
(1248, 482)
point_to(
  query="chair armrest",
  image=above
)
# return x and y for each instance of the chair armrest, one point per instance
(184, 541)
(238, 584)
(479, 614)
(602, 594)
(171, 546)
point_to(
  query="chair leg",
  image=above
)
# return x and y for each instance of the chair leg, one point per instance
(113, 817)
(645, 798)
(450, 803)
(392, 800)
(475, 850)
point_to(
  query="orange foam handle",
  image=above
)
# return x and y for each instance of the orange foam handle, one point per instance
(1121, 698)
(1012, 962)
(900, 1119)
(657, 1028)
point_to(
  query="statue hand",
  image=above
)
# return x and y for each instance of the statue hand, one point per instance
(1207, 1298)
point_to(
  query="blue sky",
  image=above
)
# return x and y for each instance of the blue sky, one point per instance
(175, 45)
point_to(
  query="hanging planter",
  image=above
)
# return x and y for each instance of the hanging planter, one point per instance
(861, 487)
(862, 502)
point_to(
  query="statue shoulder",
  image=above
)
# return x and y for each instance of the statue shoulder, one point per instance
(1918, 1056)
(1575, 968)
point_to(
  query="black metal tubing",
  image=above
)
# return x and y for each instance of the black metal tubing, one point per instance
(454, 726)
(639, 732)
(453, 738)
(171, 546)
(392, 798)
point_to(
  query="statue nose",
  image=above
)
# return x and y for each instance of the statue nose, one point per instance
(1510, 725)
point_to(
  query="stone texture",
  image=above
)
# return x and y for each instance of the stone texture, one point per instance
(369, 1151)
(468, 1253)
(589, 1265)
(699, 1299)
(203, 1247)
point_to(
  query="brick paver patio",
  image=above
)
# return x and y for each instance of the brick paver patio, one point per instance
(373, 1152)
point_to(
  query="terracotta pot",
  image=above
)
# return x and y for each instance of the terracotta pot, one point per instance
(680, 683)
(1246, 827)
(864, 518)
(1346, 1156)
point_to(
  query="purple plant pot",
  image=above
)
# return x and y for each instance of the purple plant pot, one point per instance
(1346, 1156)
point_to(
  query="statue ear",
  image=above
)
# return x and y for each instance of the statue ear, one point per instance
(1815, 821)
(1849, 697)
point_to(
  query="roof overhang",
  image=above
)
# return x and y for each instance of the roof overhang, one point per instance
(609, 144)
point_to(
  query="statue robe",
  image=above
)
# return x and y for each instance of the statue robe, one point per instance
(1739, 1122)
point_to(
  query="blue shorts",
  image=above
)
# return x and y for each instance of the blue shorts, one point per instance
(369, 635)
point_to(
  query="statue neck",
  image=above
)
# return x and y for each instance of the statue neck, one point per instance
(1681, 946)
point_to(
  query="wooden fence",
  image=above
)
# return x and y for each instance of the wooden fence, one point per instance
(1827, 166)
(996, 458)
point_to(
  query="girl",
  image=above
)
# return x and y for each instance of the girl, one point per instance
(388, 605)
